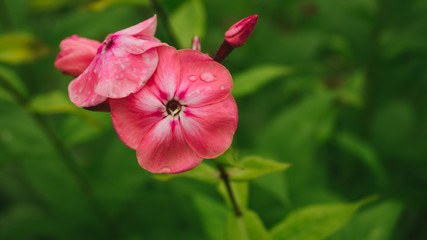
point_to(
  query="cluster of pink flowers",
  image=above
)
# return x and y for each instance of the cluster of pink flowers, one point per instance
(173, 106)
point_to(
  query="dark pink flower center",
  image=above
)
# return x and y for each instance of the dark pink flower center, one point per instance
(173, 107)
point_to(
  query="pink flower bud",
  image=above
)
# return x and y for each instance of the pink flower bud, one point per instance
(196, 44)
(76, 55)
(239, 33)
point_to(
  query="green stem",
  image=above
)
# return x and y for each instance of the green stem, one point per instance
(165, 20)
(225, 178)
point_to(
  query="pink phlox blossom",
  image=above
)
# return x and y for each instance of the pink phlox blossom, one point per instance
(185, 113)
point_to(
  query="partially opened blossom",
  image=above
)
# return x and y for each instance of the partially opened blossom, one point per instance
(76, 55)
(185, 113)
(122, 65)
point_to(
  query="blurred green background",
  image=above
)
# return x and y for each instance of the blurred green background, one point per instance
(336, 88)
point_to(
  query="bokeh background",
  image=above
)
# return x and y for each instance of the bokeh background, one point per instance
(336, 88)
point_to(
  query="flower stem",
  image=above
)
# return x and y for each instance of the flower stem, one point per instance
(223, 51)
(165, 20)
(224, 177)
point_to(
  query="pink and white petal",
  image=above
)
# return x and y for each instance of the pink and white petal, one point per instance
(165, 150)
(145, 28)
(203, 83)
(136, 45)
(209, 129)
(190, 55)
(134, 116)
(122, 74)
(81, 90)
(165, 79)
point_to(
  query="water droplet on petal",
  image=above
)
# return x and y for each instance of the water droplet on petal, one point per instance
(165, 170)
(192, 78)
(222, 87)
(207, 77)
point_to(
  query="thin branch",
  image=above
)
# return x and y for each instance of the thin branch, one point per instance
(224, 177)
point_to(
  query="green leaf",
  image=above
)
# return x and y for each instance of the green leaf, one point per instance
(188, 21)
(53, 102)
(362, 151)
(316, 222)
(17, 48)
(375, 223)
(100, 5)
(247, 227)
(252, 167)
(11, 79)
(203, 173)
(213, 214)
(228, 158)
(240, 192)
(249, 81)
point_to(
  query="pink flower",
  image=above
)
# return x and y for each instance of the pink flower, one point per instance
(183, 114)
(240, 32)
(121, 66)
(76, 54)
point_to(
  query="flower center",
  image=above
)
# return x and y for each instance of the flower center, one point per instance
(173, 107)
(109, 44)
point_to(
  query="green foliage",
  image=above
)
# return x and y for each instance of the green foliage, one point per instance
(188, 21)
(247, 227)
(252, 167)
(316, 222)
(16, 48)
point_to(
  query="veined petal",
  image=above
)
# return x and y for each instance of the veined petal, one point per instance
(121, 73)
(136, 45)
(209, 129)
(135, 115)
(203, 82)
(166, 78)
(145, 28)
(165, 150)
(81, 90)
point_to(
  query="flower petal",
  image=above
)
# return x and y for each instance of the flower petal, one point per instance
(136, 45)
(145, 28)
(135, 115)
(203, 82)
(209, 129)
(121, 73)
(165, 150)
(81, 90)
(190, 55)
(165, 79)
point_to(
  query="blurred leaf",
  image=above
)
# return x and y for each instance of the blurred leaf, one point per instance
(352, 91)
(213, 215)
(17, 48)
(363, 152)
(188, 21)
(275, 183)
(53, 102)
(100, 5)
(316, 222)
(375, 223)
(203, 173)
(240, 191)
(13, 80)
(293, 131)
(249, 81)
(252, 167)
(228, 158)
(51, 5)
(247, 227)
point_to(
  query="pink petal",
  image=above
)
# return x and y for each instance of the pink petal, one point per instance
(121, 73)
(209, 129)
(136, 45)
(145, 28)
(81, 90)
(135, 115)
(165, 79)
(165, 150)
(190, 55)
(203, 81)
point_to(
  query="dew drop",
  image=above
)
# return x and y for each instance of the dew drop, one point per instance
(222, 87)
(165, 170)
(192, 78)
(207, 77)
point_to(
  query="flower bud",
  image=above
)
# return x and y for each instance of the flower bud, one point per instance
(76, 55)
(239, 33)
(196, 44)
